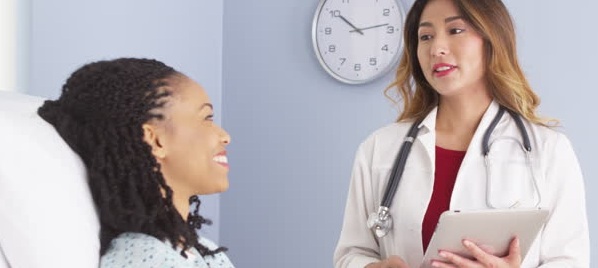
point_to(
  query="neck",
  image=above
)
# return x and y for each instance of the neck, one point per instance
(458, 118)
(180, 195)
(461, 114)
(181, 203)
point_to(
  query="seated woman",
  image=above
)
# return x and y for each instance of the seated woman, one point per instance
(146, 135)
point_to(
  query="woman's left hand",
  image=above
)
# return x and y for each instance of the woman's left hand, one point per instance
(482, 258)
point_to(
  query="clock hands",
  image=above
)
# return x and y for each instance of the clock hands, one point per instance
(359, 30)
(366, 28)
(350, 24)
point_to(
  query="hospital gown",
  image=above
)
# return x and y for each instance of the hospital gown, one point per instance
(140, 250)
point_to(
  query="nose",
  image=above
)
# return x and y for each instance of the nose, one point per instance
(439, 46)
(224, 137)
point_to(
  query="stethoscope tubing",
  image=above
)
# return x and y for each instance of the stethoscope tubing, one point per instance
(492, 126)
(399, 165)
(383, 214)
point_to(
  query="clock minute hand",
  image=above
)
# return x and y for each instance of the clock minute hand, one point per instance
(350, 24)
(371, 27)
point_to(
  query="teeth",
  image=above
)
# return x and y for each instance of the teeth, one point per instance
(443, 68)
(221, 159)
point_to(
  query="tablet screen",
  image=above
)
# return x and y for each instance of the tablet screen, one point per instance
(492, 230)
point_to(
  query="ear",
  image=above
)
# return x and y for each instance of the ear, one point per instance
(152, 137)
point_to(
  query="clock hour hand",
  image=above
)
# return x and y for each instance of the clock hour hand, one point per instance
(350, 24)
(371, 27)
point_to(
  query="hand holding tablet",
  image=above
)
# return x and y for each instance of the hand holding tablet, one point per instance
(491, 230)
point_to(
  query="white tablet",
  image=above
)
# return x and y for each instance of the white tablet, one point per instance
(491, 229)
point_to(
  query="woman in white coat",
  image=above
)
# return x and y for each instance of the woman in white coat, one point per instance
(462, 57)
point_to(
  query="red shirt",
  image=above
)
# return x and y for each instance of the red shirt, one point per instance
(447, 167)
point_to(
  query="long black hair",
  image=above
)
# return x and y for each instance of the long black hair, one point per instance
(100, 114)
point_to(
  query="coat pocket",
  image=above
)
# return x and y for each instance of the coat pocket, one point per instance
(511, 176)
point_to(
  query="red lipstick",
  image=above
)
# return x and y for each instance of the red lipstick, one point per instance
(443, 69)
(221, 159)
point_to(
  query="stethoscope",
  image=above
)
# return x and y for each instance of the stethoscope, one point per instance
(381, 221)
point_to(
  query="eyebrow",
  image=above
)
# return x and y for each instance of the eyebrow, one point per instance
(206, 105)
(447, 20)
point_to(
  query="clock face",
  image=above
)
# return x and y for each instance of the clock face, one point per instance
(357, 41)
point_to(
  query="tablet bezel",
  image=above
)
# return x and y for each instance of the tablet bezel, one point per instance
(454, 226)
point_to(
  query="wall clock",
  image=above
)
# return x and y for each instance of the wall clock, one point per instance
(357, 41)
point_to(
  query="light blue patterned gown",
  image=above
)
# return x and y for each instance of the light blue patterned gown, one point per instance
(138, 250)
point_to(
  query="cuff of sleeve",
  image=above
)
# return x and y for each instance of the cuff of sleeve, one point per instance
(362, 261)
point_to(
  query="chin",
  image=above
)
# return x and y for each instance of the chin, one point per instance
(220, 186)
(448, 91)
(224, 186)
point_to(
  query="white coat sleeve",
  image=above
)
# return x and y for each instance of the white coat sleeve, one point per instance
(357, 246)
(565, 239)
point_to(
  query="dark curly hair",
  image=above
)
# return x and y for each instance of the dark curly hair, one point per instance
(100, 114)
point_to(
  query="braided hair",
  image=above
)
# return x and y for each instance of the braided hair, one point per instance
(100, 114)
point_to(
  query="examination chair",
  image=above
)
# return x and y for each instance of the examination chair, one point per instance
(47, 217)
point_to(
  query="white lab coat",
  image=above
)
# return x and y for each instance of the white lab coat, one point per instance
(564, 240)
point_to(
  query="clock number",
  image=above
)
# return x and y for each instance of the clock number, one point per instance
(328, 31)
(373, 61)
(385, 48)
(386, 12)
(343, 60)
(390, 29)
(335, 13)
(346, 1)
(357, 67)
(331, 48)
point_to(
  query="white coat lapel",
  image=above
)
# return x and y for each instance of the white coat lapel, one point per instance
(470, 187)
(427, 135)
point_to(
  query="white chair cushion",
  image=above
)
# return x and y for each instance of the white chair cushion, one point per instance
(47, 216)
(3, 260)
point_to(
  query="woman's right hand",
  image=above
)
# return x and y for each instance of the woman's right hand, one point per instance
(391, 262)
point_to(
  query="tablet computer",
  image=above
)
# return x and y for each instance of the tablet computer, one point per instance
(491, 229)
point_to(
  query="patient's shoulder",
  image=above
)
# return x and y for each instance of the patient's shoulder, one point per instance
(140, 250)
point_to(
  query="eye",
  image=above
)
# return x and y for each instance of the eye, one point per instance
(456, 31)
(210, 117)
(425, 37)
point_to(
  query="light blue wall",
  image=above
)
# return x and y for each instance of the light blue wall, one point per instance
(557, 41)
(184, 34)
(23, 44)
(295, 129)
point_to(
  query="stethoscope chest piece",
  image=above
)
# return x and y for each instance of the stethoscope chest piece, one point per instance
(380, 222)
